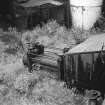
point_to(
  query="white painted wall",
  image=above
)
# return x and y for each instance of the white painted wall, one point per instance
(85, 13)
(86, 2)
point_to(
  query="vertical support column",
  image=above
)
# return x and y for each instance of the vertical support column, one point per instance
(67, 14)
(61, 67)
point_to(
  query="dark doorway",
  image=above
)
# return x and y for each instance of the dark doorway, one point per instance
(103, 8)
(6, 13)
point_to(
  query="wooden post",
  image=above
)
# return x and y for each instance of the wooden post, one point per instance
(67, 14)
(61, 67)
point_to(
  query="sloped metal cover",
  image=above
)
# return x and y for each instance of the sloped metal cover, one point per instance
(93, 43)
(33, 3)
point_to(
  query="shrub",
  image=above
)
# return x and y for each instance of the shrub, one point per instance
(24, 83)
(50, 91)
(99, 26)
(50, 34)
(9, 72)
(39, 87)
(79, 35)
(4, 90)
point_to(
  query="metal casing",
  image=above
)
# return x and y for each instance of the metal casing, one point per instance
(85, 70)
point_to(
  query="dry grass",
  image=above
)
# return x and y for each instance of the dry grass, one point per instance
(50, 35)
(17, 86)
(54, 35)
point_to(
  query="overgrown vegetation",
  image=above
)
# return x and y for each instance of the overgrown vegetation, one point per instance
(50, 34)
(17, 86)
(99, 26)
(13, 43)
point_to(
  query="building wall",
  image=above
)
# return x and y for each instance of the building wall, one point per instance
(42, 14)
(85, 13)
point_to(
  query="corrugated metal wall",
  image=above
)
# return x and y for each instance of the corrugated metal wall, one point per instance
(85, 70)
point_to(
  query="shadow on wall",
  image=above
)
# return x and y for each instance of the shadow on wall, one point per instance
(68, 15)
(6, 14)
(103, 8)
